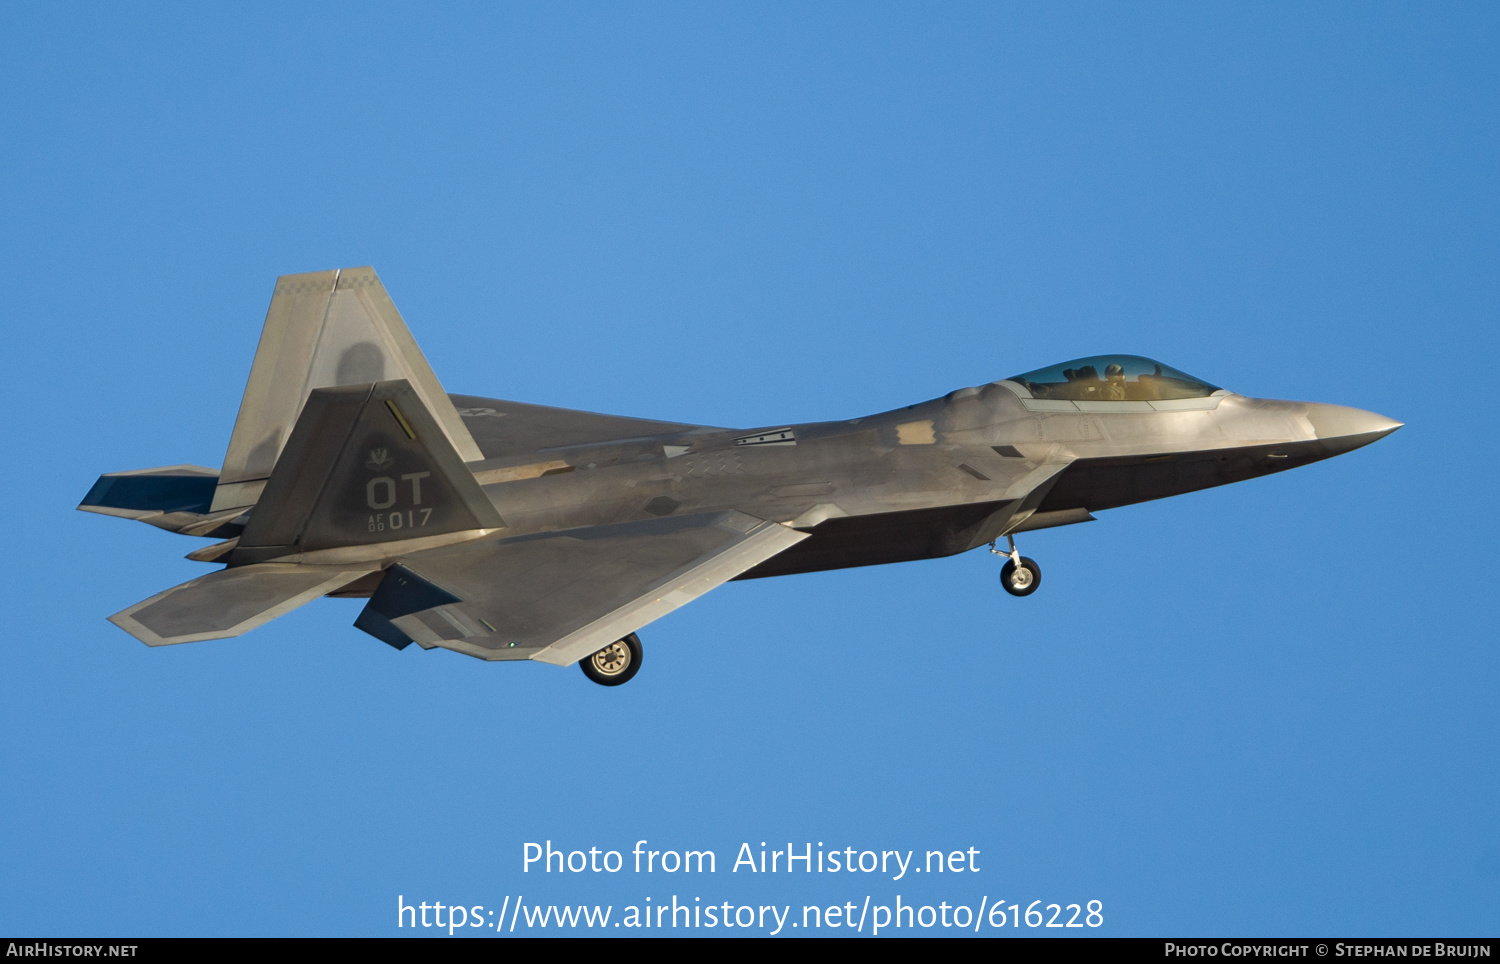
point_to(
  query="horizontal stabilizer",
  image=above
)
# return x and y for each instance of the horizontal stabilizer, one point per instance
(177, 498)
(228, 602)
(175, 488)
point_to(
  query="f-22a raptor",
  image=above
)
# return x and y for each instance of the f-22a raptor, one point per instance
(510, 531)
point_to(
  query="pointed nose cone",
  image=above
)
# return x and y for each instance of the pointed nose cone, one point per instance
(1346, 429)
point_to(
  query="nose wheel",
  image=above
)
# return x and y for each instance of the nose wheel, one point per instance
(615, 663)
(1019, 576)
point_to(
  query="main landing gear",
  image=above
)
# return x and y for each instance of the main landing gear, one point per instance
(615, 663)
(1019, 576)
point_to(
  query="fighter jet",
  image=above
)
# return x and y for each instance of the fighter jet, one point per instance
(510, 531)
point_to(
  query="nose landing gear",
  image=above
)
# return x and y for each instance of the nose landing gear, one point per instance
(1019, 576)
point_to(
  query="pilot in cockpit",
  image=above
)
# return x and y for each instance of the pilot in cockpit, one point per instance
(1114, 384)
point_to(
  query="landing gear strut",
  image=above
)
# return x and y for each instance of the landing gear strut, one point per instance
(615, 663)
(1019, 576)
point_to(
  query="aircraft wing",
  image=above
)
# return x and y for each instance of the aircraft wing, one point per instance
(504, 429)
(556, 597)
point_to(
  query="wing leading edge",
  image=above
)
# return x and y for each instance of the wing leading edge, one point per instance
(556, 597)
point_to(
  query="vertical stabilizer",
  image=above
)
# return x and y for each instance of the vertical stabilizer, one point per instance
(324, 329)
(365, 465)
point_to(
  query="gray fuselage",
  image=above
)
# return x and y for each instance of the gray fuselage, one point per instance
(930, 479)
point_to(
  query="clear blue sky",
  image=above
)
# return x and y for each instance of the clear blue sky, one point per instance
(1264, 709)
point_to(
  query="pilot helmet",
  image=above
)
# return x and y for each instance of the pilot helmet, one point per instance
(1114, 371)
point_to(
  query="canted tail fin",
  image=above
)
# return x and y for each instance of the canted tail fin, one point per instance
(365, 464)
(324, 330)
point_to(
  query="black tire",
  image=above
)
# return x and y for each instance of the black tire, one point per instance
(1029, 580)
(615, 663)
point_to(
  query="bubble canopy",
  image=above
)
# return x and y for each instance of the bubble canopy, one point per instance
(1113, 378)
